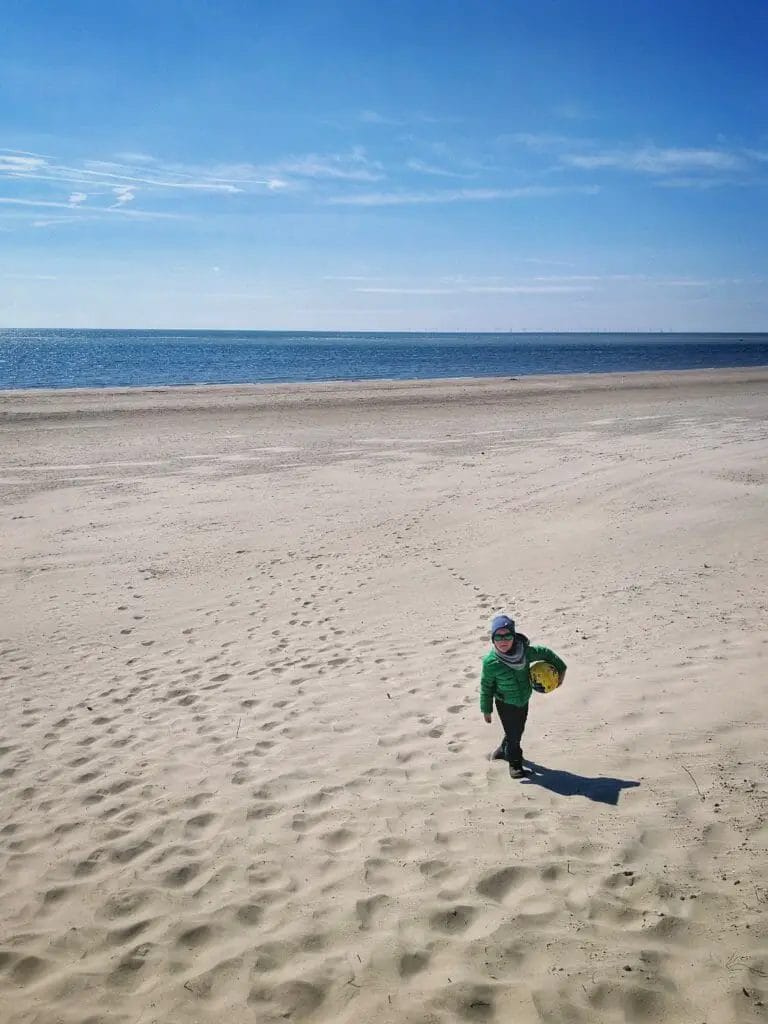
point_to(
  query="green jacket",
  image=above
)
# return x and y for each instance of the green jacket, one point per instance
(512, 685)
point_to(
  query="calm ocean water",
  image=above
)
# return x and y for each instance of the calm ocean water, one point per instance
(98, 359)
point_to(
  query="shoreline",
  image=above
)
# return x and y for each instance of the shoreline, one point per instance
(34, 403)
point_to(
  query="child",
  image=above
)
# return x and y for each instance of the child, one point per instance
(505, 677)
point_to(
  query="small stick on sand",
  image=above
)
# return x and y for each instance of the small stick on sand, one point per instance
(694, 781)
(238, 727)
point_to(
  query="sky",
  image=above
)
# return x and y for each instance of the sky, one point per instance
(564, 165)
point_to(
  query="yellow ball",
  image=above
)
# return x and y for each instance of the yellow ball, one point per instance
(544, 677)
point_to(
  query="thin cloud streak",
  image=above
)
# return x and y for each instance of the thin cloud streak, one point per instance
(541, 284)
(543, 261)
(354, 166)
(703, 184)
(9, 201)
(232, 179)
(20, 164)
(23, 152)
(123, 183)
(671, 166)
(438, 172)
(135, 158)
(91, 210)
(108, 173)
(29, 277)
(352, 277)
(459, 195)
(653, 160)
(543, 141)
(374, 117)
(208, 186)
(590, 277)
(521, 289)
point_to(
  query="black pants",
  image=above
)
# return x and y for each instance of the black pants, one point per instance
(513, 721)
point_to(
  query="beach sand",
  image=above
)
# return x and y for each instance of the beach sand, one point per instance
(243, 772)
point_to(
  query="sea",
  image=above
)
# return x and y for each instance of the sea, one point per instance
(126, 358)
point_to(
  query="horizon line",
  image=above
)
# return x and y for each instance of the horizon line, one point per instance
(343, 330)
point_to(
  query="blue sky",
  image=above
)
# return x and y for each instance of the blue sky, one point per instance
(539, 165)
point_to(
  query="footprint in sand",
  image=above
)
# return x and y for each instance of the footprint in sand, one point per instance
(368, 910)
(339, 839)
(453, 920)
(250, 914)
(195, 938)
(200, 822)
(497, 884)
(181, 876)
(412, 963)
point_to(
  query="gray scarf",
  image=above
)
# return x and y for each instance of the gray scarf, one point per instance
(517, 656)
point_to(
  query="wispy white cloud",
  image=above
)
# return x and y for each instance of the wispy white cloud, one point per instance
(544, 261)
(138, 175)
(138, 214)
(90, 213)
(56, 221)
(22, 152)
(123, 194)
(656, 160)
(542, 141)
(351, 277)
(703, 184)
(568, 277)
(590, 277)
(459, 195)
(491, 289)
(406, 291)
(671, 166)
(19, 164)
(374, 117)
(15, 201)
(108, 174)
(250, 177)
(540, 284)
(421, 167)
(30, 277)
(401, 120)
(98, 170)
(688, 282)
(290, 172)
(685, 283)
(352, 166)
(135, 158)
(228, 296)
(531, 289)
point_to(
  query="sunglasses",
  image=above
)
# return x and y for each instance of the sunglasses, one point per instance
(503, 636)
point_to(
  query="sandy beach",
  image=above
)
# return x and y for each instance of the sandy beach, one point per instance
(243, 771)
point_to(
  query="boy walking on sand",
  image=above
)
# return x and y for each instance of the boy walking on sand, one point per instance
(505, 678)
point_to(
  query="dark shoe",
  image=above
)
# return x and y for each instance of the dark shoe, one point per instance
(516, 771)
(499, 754)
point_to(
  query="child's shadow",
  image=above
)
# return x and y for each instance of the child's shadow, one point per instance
(601, 790)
